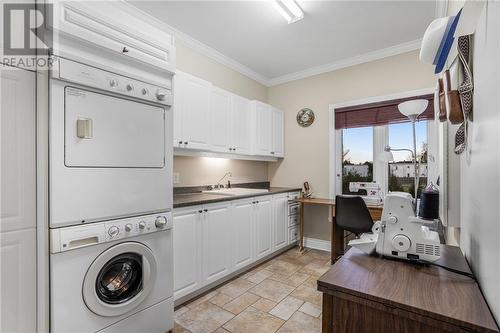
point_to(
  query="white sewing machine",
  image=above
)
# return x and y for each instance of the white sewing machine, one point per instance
(374, 193)
(400, 233)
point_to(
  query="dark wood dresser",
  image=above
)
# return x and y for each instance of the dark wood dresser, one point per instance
(364, 293)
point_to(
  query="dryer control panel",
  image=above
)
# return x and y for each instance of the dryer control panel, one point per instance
(69, 238)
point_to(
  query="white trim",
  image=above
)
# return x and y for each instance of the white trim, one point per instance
(348, 62)
(317, 244)
(333, 135)
(441, 8)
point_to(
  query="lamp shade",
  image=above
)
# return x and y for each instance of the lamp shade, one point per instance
(413, 108)
(386, 156)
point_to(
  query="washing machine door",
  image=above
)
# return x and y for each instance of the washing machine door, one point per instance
(119, 279)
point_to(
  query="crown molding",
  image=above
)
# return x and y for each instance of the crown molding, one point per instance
(356, 60)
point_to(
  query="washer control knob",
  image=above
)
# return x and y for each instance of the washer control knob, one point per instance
(145, 91)
(128, 227)
(113, 83)
(142, 225)
(113, 231)
(160, 222)
(129, 87)
(392, 219)
(161, 95)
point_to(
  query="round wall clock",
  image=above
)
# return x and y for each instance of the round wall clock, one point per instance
(305, 117)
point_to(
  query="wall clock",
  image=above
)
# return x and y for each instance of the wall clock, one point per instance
(305, 117)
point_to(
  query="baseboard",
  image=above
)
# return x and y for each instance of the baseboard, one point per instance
(317, 244)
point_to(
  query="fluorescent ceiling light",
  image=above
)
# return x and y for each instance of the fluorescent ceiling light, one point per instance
(289, 9)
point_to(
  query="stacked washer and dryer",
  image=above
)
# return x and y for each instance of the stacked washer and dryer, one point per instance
(110, 177)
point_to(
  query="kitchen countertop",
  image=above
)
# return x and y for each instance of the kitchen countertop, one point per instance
(199, 198)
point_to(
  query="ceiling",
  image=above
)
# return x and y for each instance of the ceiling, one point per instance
(254, 38)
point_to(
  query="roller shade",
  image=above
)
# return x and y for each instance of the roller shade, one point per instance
(379, 113)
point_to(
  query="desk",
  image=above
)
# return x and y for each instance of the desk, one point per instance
(337, 234)
(364, 293)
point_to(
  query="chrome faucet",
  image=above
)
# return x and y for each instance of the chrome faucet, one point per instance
(228, 185)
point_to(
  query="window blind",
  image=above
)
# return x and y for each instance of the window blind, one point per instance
(379, 113)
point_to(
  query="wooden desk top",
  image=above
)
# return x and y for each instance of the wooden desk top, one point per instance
(328, 202)
(427, 290)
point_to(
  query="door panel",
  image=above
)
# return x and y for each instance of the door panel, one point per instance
(280, 221)
(263, 122)
(220, 113)
(264, 228)
(242, 218)
(187, 250)
(278, 133)
(241, 125)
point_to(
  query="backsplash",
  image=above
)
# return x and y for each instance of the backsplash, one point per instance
(195, 171)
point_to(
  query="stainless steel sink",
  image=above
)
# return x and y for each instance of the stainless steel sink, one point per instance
(236, 191)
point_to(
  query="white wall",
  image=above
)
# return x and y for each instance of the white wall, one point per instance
(480, 167)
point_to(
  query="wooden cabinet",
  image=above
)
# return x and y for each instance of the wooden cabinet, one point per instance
(241, 125)
(278, 148)
(217, 241)
(280, 221)
(220, 121)
(18, 201)
(263, 121)
(263, 226)
(191, 112)
(187, 250)
(242, 221)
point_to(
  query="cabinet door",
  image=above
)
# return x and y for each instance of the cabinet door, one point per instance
(18, 276)
(263, 129)
(177, 108)
(187, 250)
(17, 131)
(195, 111)
(278, 149)
(242, 218)
(263, 226)
(217, 242)
(220, 122)
(280, 204)
(241, 136)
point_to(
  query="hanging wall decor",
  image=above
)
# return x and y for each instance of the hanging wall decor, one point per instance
(305, 117)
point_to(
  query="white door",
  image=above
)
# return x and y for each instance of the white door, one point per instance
(217, 242)
(241, 118)
(187, 250)
(242, 219)
(263, 128)
(263, 226)
(195, 111)
(278, 149)
(220, 122)
(280, 204)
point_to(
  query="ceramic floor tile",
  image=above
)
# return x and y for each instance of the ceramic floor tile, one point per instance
(315, 268)
(202, 299)
(296, 279)
(236, 288)
(311, 309)
(241, 303)
(264, 305)
(273, 290)
(283, 267)
(204, 318)
(301, 323)
(307, 294)
(179, 329)
(220, 299)
(286, 308)
(253, 321)
(221, 330)
(260, 276)
(180, 311)
(311, 282)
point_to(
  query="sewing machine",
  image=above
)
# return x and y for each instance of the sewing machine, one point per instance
(374, 193)
(400, 233)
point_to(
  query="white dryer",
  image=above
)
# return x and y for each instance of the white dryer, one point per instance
(114, 276)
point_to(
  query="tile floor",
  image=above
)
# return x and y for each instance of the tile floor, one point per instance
(277, 296)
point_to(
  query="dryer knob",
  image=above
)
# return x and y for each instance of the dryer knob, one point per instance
(142, 225)
(128, 227)
(161, 95)
(113, 231)
(130, 87)
(161, 221)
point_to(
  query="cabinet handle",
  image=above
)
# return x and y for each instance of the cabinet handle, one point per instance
(180, 142)
(200, 211)
(205, 210)
(272, 152)
(185, 142)
(234, 149)
(230, 149)
(125, 50)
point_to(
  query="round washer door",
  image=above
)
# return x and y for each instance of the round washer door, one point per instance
(119, 279)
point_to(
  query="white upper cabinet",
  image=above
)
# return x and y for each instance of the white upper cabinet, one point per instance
(220, 120)
(278, 149)
(115, 27)
(263, 118)
(241, 125)
(191, 112)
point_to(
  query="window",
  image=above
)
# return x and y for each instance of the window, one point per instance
(357, 157)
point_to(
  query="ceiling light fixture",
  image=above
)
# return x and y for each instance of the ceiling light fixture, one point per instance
(289, 9)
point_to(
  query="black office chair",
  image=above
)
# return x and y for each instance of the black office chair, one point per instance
(351, 214)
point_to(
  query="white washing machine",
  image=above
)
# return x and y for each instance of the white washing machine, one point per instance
(113, 276)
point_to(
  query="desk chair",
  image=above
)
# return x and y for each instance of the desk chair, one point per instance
(351, 214)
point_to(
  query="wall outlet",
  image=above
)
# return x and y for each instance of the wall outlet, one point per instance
(176, 178)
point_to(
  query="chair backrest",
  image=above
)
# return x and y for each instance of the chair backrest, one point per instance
(351, 214)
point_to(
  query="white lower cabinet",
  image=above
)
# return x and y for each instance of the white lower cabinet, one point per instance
(217, 245)
(242, 220)
(212, 241)
(187, 250)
